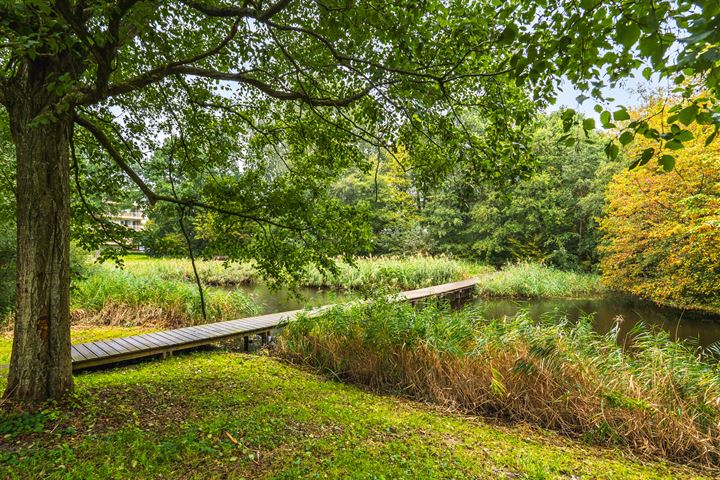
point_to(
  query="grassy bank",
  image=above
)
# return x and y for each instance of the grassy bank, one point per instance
(109, 296)
(532, 280)
(228, 415)
(658, 400)
(392, 272)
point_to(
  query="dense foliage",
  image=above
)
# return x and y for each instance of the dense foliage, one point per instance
(548, 215)
(662, 228)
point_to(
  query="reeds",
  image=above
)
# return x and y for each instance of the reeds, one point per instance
(118, 297)
(658, 398)
(401, 273)
(533, 280)
(393, 272)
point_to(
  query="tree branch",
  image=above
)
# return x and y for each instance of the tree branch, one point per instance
(157, 74)
(154, 197)
(239, 12)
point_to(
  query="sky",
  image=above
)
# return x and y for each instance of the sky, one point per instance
(632, 93)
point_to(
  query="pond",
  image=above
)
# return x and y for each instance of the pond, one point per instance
(702, 328)
(699, 327)
(282, 300)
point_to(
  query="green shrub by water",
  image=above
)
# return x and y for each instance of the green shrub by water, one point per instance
(119, 297)
(658, 398)
(211, 272)
(532, 280)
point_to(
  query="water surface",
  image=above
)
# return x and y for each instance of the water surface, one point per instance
(702, 328)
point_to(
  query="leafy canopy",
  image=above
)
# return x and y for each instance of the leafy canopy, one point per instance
(255, 107)
(661, 230)
(247, 112)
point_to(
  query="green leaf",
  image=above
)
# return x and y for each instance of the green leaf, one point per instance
(628, 34)
(684, 136)
(621, 115)
(508, 35)
(687, 115)
(626, 137)
(667, 162)
(710, 138)
(588, 124)
(606, 119)
(646, 155)
(704, 118)
(611, 150)
(673, 145)
(647, 73)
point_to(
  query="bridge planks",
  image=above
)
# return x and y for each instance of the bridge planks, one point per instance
(102, 352)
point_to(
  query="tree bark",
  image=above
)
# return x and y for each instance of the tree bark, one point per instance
(40, 365)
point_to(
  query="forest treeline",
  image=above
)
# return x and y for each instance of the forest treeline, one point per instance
(649, 232)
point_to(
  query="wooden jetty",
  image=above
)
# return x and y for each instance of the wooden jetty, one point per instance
(115, 350)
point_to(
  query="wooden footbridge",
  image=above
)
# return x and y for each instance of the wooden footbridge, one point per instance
(115, 350)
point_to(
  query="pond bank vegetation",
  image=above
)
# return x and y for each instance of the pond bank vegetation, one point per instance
(657, 399)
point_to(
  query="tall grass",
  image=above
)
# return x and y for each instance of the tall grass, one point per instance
(392, 272)
(532, 280)
(658, 398)
(211, 272)
(119, 297)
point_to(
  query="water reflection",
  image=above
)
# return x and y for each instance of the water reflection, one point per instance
(282, 300)
(697, 327)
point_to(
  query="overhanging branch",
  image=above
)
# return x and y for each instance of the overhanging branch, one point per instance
(154, 197)
(155, 75)
(238, 12)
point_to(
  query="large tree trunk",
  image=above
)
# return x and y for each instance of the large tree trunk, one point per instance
(40, 366)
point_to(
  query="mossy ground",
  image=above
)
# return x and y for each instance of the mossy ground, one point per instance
(223, 414)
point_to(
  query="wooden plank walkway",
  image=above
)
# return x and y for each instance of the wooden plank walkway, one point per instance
(93, 354)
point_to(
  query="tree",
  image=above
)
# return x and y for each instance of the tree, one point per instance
(661, 229)
(547, 215)
(266, 101)
(311, 85)
(390, 197)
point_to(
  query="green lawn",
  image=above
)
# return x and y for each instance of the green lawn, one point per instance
(229, 415)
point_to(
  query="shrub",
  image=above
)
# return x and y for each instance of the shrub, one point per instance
(532, 280)
(662, 229)
(658, 398)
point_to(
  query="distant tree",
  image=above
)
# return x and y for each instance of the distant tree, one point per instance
(661, 230)
(390, 196)
(548, 215)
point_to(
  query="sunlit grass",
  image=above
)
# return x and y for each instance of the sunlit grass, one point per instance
(227, 415)
(109, 296)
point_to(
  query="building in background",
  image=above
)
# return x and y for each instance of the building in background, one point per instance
(132, 218)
